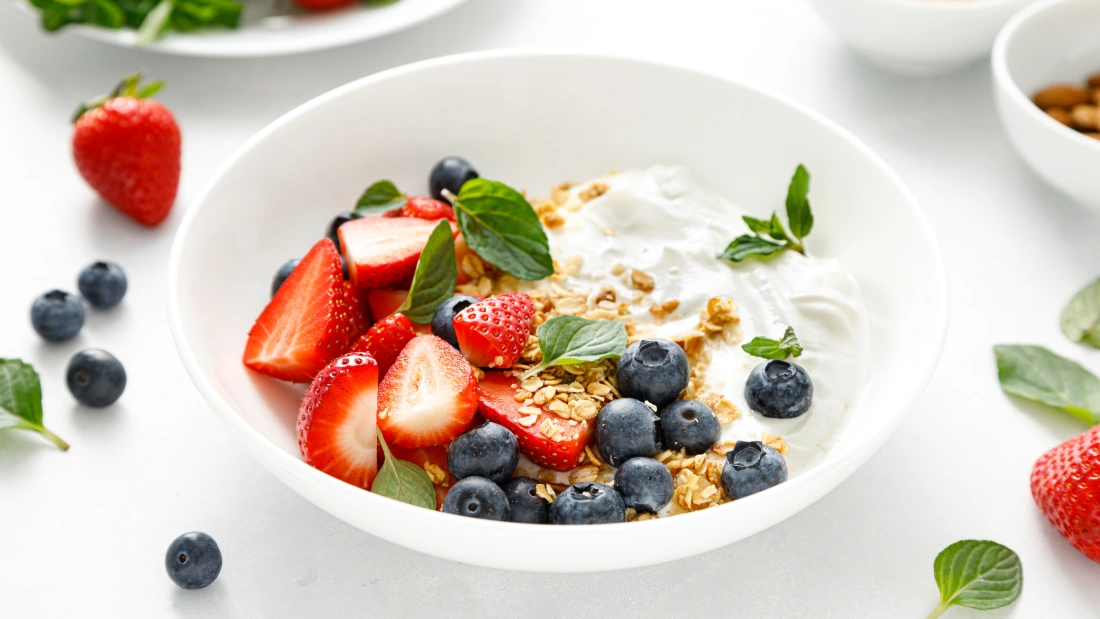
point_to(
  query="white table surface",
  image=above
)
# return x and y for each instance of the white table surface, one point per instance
(83, 533)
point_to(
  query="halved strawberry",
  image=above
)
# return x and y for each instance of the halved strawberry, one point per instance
(385, 340)
(493, 333)
(429, 395)
(498, 404)
(336, 424)
(310, 320)
(427, 208)
(435, 456)
(385, 301)
(380, 251)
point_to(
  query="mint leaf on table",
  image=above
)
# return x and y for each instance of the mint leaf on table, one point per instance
(403, 481)
(1034, 373)
(568, 340)
(381, 196)
(1081, 318)
(500, 226)
(435, 277)
(21, 400)
(768, 235)
(977, 574)
(767, 348)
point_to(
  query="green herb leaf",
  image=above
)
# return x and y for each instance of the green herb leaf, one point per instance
(767, 348)
(769, 227)
(1034, 373)
(798, 204)
(746, 246)
(151, 27)
(768, 235)
(149, 16)
(21, 400)
(435, 278)
(502, 228)
(566, 340)
(382, 195)
(1081, 318)
(403, 481)
(977, 574)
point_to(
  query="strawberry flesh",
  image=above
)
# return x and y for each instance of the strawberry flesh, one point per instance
(427, 208)
(381, 252)
(385, 301)
(385, 340)
(493, 333)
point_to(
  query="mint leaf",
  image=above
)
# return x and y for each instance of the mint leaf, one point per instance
(977, 574)
(21, 400)
(1034, 373)
(768, 235)
(746, 246)
(149, 16)
(403, 481)
(767, 348)
(769, 227)
(151, 27)
(382, 195)
(798, 204)
(567, 340)
(501, 227)
(435, 277)
(1081, 318)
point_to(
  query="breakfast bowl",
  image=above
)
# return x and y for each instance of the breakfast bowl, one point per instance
(919, 37)
(1047, 44)
(537, 118)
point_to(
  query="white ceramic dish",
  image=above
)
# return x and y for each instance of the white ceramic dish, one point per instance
(276, 27)
(1048, 43)
(534, 119)
(919, 37)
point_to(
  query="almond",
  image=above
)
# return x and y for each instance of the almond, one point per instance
(1086, 117)
(1062, 95)
(1061, 114)
(1094, 81)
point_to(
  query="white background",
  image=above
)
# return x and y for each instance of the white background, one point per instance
(83, 533)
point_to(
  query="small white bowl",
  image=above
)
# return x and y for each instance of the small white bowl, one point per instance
(1048, 43)
(919, 37)
(534, 119)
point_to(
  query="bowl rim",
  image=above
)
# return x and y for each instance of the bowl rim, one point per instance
(296, 466)
(947, 6)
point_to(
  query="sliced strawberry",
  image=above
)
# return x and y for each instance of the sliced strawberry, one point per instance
(429, 395)
(385, 301)
(336, 424)
(358, 308)
(427, 208)
(422, 456)
(381, 252)
(312, 319)
(498, 404)
(385, 340)
(493, 333)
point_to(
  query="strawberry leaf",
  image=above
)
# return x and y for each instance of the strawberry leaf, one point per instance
(435, 277)
(502, 228)
(977, 574)
(21, 400)
(403, 481)
(567, 340)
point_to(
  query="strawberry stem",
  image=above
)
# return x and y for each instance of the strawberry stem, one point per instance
(128, 87)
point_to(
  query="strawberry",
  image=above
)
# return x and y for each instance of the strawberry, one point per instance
(381, 252)
(498, 404)
(426, 208)
(421, 456)
(313, 318)
(127, 147)
(429, 395)
(321, 5)
(385, 340)
(336, 423)
(385, 301)
(492, 333)
(1066, 486)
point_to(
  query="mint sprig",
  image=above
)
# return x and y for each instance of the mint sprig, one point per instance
(381, 196)
(402, 481)
(500, 226)
(977, 574)
(21, 400)
(768, 235)
(1036, 374)
(149, 17)
(435, 277)
(767, 348)
(568, 340)
(1081, 318)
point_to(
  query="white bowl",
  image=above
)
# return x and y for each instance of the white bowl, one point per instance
(535, 119)
(1047, 43)
(919, 37)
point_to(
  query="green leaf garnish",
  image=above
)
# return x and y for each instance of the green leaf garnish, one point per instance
(768, 235)
(746, 246)
(403, 481)
(977, 574)
(1081, 318)
(500, 226)
(567, 340)
(799, 215)
(382, 195)
(1034, 373)
(767, 348)
(149, 17)
(435, 277)
(21, 400)
(155, 23)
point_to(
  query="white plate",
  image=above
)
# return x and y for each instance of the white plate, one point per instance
(534, 119)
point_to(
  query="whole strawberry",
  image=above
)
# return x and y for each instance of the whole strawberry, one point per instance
(127, 147)
(1066, 486)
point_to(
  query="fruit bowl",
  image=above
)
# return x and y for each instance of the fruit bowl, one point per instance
(536, 119)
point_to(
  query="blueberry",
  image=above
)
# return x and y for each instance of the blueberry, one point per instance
(689, 425)
(443, 325)
(57, 315)
(645, 484)
(103, 284)
(625, 429)
(588, 503)
(477, 497)
(779, 389)
(283, 273)
(654, 371)
(526, 504)
(335, 224)
(488, 451)
(450, 174)
(752, 466)
(95, 377)
(193, 560)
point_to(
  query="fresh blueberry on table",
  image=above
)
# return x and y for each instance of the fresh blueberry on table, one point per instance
(450, 174)
(654, 371)
(488, 451)
(645, 484)
(57, 315)
(95, 378)
(103, 284)
(477, 497)
(283, 273)
(625, 429)
(588, 502)
(193, 560)
(779, 389)
(443, 325)
(526, 505)
(335, 224)
(689, 425)
(752, 466)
